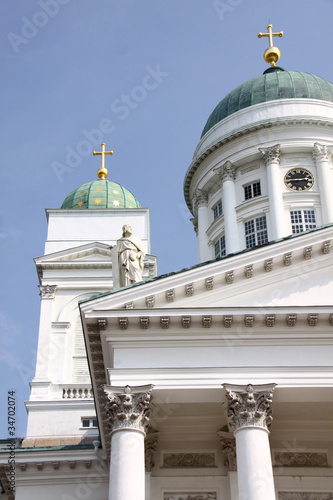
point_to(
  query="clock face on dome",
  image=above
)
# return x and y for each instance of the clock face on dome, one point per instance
(299, 179)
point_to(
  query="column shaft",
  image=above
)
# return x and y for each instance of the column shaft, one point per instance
(127, 469)
(277, 229)
(227, 174)
(271, 158)
(230, 219)
(203, 224)
(323, 157)
(255, 474)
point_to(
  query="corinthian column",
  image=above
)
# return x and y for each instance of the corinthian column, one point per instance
(200, 202)
(227, 175)
(323, 159)
(249, 416)
(271, 158)
(128, 412)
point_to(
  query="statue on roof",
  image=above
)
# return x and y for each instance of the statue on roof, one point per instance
(130, 253)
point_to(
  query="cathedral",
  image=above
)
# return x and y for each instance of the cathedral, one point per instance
(209, 383)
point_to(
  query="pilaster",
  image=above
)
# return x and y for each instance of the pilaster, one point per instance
(44, 350)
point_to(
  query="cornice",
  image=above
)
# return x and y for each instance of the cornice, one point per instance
(268, 319)
(242, 132)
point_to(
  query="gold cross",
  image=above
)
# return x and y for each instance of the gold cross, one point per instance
(272, 54)
(102, 172)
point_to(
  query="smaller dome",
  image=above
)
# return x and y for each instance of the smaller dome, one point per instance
(100, 194)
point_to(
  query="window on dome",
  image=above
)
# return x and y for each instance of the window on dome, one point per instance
(302, 220)
(256, 232)
(252, 190)
(220, 247)
(217, 209)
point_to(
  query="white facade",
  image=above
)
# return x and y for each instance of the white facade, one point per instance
(186, 371)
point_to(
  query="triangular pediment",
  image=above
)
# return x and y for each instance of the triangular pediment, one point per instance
(296, 271)
(91, 251)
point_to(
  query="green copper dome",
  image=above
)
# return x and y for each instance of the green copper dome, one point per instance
(274, 84)
(100, 194)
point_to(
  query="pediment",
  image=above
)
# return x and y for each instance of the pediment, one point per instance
(296, 271)
(91, 252)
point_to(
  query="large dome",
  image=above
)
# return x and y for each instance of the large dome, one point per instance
(274, 84)
(100, 194)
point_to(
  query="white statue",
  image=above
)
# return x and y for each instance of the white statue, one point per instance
(130, 257)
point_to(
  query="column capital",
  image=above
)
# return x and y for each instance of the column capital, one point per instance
(194, 221)
(228, 448)
(227, 172)
(47, 291)
(271, 154)
(200, 198)
(150, 448)
(249, 406)
(321, 152)
(127, 408)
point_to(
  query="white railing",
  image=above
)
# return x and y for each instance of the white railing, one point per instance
(77, 392)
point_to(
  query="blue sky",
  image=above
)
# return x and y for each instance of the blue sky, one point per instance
(66, 68)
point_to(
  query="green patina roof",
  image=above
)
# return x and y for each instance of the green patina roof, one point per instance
(273, 84)
(100, 194)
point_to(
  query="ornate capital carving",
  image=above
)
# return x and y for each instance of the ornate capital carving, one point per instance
(271, 155)
(47, 291)
(249, 406)
(320, 152)
(150, 448)
(128, 407)
(228, 448)
(227, 172)
(200, 198)
(195, 225)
